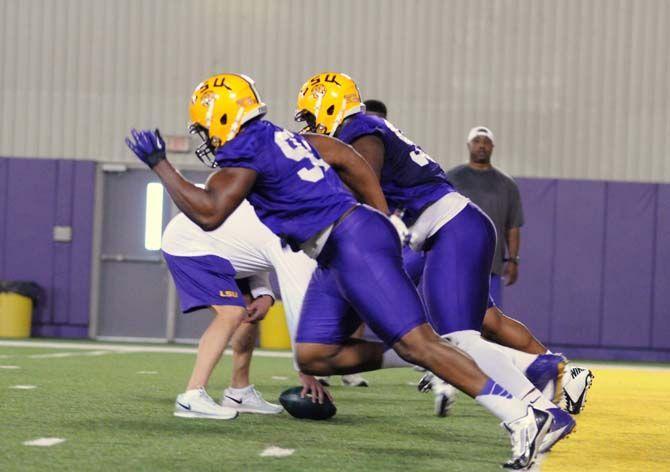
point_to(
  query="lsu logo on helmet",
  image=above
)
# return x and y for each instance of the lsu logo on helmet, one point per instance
(219, 106)
(325, 100)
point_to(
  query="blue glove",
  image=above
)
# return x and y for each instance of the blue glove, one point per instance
(148, 146)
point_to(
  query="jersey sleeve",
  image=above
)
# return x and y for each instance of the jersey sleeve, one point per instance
(359, 126)
(242, 151)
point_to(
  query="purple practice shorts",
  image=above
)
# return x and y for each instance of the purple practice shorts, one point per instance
(455, 282)
(360, 277)
(203, 281)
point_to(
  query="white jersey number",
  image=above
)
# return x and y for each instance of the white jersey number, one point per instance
(417, 155)
(296, 150)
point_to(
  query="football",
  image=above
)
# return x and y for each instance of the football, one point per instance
(304, 408)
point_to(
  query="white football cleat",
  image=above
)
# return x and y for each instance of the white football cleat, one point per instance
(561, 427)
(251, 401)
(354, 380)
(425, 384)
(445, 394)
(526, 435)
(576, 384)
(445, 397)
(198, 404)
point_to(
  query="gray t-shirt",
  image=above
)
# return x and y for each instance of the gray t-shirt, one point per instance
(498, 195)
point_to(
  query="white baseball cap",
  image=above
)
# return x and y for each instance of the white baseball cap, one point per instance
(481, 131)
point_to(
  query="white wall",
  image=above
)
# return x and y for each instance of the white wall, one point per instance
(571, 88)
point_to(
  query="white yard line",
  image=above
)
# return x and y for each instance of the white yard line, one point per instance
(274, 451)
(111, 347)
(23, 387)
(69, 354)
(9, 367)
(44, 442)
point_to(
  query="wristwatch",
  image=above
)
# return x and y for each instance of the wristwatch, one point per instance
(513, 260)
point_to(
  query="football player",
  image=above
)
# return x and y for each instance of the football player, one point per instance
(563, 383)
(292, 182)
(204, 266)
(457, 237)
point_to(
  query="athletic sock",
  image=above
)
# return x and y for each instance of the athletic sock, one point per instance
(240, 391)
(521, 359)
(500, 402)
(494, 362)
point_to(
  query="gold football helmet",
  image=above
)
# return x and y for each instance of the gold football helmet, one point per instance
(219, 106)
(325, 100)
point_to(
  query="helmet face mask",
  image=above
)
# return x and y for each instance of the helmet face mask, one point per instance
(206, 151)
(219, 107)
(307, 117)
(329, 98)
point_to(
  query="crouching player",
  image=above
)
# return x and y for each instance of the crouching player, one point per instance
(457, 237)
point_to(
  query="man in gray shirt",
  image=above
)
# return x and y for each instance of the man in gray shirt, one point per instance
(498, 195)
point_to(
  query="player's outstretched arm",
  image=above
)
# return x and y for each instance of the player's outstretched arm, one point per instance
(208, 207)
(352, 168)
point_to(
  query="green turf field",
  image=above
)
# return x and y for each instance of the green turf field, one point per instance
(114, 418)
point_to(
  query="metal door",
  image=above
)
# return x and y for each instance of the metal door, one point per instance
(133, 296)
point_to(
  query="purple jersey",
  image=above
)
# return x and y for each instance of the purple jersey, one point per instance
(296, 193)
(411, 180)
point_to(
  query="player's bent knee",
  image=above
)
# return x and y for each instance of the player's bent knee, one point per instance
(315, 359)
(418, 345)
(492, 323)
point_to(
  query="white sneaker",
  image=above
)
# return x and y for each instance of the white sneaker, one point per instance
(576, 385)
(354, 380)
(526, 435)
(198, 404)
(251, 401)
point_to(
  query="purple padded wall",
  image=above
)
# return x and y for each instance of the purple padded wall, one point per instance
(661, 288)
(629, 254)
(38, 195)
(28, 242)
(594, 279)
(530, 299)
(578, 266)
(4, 164)
(83, 206)
(609, 277)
